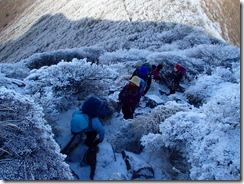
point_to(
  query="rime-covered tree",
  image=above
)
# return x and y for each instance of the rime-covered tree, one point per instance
(28, 150)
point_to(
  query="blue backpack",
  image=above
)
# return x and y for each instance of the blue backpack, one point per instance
(91, 106)
(96, 107)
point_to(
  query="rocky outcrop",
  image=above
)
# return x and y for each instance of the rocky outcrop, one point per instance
(137, 168)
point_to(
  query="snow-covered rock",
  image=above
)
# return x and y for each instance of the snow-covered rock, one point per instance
(139, 169)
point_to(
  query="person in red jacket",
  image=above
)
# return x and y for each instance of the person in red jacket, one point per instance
(156, 73)
(175, 77)
(129, 97)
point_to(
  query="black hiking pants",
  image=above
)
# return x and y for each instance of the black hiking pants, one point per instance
(128, 113)
(90, 156)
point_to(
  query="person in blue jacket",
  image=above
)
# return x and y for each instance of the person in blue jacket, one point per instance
(80, 123)
(144, 72)
(86, 121)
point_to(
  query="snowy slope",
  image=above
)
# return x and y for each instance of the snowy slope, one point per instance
(185, 136)
(52, 25)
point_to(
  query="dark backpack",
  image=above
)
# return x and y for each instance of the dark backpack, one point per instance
(91, 106)
(105, 110)
(149, 67)
(97, 107)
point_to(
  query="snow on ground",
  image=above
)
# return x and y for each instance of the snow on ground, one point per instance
(110, 162)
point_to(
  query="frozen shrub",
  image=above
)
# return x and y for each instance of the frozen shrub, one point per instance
(39, 60)
(28, 149)
(58, 87)
(204, 86)
(129, 136)
(208, 137)
(17, 71)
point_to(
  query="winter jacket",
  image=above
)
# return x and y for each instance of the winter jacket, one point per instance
(178, 75)
(155, 74)
(130, 98)
(80, 122)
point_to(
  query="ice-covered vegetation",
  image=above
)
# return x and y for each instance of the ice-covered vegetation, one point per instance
(201, 126)
(28, 149)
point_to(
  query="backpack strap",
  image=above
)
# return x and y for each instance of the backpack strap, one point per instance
(89, 123)
(90, 134)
